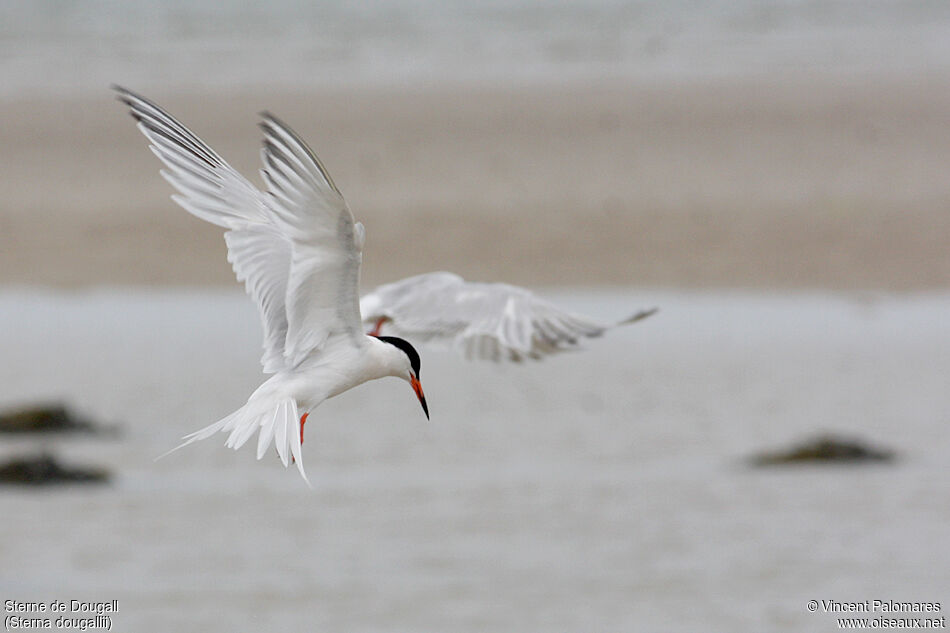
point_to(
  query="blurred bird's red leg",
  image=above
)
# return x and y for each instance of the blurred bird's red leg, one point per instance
(379, 326)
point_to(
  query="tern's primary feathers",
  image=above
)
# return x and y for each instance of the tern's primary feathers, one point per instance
(298, 251)
(488, 321)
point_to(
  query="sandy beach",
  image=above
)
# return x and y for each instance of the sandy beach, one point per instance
(824, 182)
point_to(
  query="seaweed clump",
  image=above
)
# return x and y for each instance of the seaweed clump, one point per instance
(48, 418)
(44, 469)
(825, 449)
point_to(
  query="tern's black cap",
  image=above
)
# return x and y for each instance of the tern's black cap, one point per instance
(406, 347)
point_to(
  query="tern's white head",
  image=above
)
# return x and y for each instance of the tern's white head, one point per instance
(408, 364)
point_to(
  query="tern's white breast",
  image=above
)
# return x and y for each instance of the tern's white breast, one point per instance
(335, 369)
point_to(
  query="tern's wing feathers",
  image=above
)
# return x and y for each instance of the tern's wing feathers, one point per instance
(212, 190)
(296, 248)
(208, 187)
(489, 321)
(260, 256)
(322, 287)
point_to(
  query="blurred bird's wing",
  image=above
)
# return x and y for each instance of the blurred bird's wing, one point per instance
(486, 321)
(296, 247)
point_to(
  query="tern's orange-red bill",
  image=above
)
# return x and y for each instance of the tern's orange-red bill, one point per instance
(417, 387)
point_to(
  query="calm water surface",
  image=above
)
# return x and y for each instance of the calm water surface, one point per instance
(598, 491)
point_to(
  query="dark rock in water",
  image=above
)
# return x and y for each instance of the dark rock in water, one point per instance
(44, 469)
(53, 418)
(825, 449)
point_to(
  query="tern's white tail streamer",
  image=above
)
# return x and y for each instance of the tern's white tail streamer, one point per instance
(277, 421)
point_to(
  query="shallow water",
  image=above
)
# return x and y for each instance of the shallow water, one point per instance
(49, 47)
(597, 491)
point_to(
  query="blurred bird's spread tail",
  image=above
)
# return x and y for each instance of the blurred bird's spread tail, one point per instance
(277, 421)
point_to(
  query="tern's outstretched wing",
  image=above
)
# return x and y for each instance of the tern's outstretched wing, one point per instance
(488, 321)
(212, 190)
(323, 286)
(299, 232)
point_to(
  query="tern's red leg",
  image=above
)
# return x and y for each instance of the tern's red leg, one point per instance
(303, 420)
(379, 326)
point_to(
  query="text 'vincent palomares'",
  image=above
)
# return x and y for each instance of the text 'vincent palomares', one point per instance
(879, 606)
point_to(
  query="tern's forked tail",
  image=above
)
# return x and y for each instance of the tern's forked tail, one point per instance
(277, 421)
